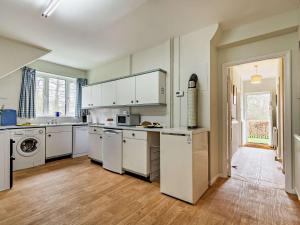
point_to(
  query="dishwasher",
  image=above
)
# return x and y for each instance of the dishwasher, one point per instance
(112, 150)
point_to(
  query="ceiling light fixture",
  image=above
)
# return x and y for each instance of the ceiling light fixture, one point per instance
(53, 4)
(256, 78)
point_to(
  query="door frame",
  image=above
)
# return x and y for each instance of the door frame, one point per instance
(245, 112)
(226, 145)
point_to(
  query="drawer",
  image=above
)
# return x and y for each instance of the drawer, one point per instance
(95, 130)
(56, 129)
(141, 135)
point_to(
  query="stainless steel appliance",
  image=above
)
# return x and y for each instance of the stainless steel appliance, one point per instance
(128, 119)
(112, 150)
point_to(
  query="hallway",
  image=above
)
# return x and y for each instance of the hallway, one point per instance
(257, 166)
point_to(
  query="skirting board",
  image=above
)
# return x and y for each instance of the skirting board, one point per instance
(214, 179)
(297, 193)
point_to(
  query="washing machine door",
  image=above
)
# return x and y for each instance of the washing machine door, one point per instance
(28, 146)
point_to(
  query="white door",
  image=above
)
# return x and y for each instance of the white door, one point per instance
(58, 144)
(96, 95)
(125, 89)
(176, 166)
(147, 88)
(86, 97)
(95, 152)
(108, 94)
(135, 156)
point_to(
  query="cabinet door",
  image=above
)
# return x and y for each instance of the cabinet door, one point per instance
(4, 161)
(125, 89)
(95, 146)
(150, 88)
(96, 95)
(136, 156)
(108, 94)
(58, 144)
(80, 140)
(86, 95)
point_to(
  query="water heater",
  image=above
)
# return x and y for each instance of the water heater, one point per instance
(192, 101)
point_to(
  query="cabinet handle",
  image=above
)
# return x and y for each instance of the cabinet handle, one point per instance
(114, 103)
(95, 130)
(100, 137)
(49, 135)
(137, 101)
(131, 101)
(124, 141)
(133, 134)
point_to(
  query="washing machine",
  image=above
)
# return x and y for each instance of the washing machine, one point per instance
(28, 148)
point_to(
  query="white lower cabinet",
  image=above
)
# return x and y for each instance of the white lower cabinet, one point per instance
(138, 147)
(95, 143)
(58, 141)
(4, 161)
(135, 156)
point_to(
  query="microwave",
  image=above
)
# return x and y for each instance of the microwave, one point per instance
(128, 119)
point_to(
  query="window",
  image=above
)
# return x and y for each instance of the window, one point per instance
(55, 94)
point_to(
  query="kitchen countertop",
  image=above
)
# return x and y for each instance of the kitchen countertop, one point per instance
(127, 128)
(41, 125)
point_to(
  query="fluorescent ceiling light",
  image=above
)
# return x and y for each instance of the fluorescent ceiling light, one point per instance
(53, 4)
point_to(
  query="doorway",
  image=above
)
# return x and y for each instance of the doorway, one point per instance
(255, 122)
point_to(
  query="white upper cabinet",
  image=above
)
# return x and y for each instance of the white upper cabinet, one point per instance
(86, 100)
(125, 91)
(144, 89)
(91, 96)
(108, 94)
(96, 95)
(151, 88)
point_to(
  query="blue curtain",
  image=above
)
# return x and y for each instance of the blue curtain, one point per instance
(79, 111)
(27, 94)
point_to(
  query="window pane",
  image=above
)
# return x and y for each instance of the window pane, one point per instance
(72, 98)
(39, 96)
(57, 96)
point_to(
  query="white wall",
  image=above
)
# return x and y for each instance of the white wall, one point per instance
(14, 55)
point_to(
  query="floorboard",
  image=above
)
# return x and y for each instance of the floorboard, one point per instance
(75, 191)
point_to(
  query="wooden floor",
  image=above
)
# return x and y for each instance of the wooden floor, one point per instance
(78, 192)
(258, 166)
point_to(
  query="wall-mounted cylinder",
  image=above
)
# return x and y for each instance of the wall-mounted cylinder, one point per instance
(192, 102)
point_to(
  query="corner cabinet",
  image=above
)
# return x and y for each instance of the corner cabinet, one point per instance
(142, 89)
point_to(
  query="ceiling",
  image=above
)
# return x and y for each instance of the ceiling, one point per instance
(84, 33)
(267, 69)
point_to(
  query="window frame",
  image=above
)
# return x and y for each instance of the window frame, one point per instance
(68, 81)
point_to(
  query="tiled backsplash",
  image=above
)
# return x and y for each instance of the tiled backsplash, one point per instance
(151, 114)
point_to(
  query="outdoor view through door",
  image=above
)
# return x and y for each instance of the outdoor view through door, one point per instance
(258, 116)
(256, 128)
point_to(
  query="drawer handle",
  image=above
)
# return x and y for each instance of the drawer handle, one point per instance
(49, 135)
(137, 101)
(124, 141)
(100, 137)
(131, 101)
(114, 103)
(133, 134)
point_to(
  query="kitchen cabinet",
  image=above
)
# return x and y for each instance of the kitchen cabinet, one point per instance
(4, 161)
(151, 88)
(145, 89)
(58, 141)
(108, 94)
(91, 96)
(137, 151)
(95, 143)
(125, 89)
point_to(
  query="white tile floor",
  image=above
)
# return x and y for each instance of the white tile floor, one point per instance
(257, 166)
